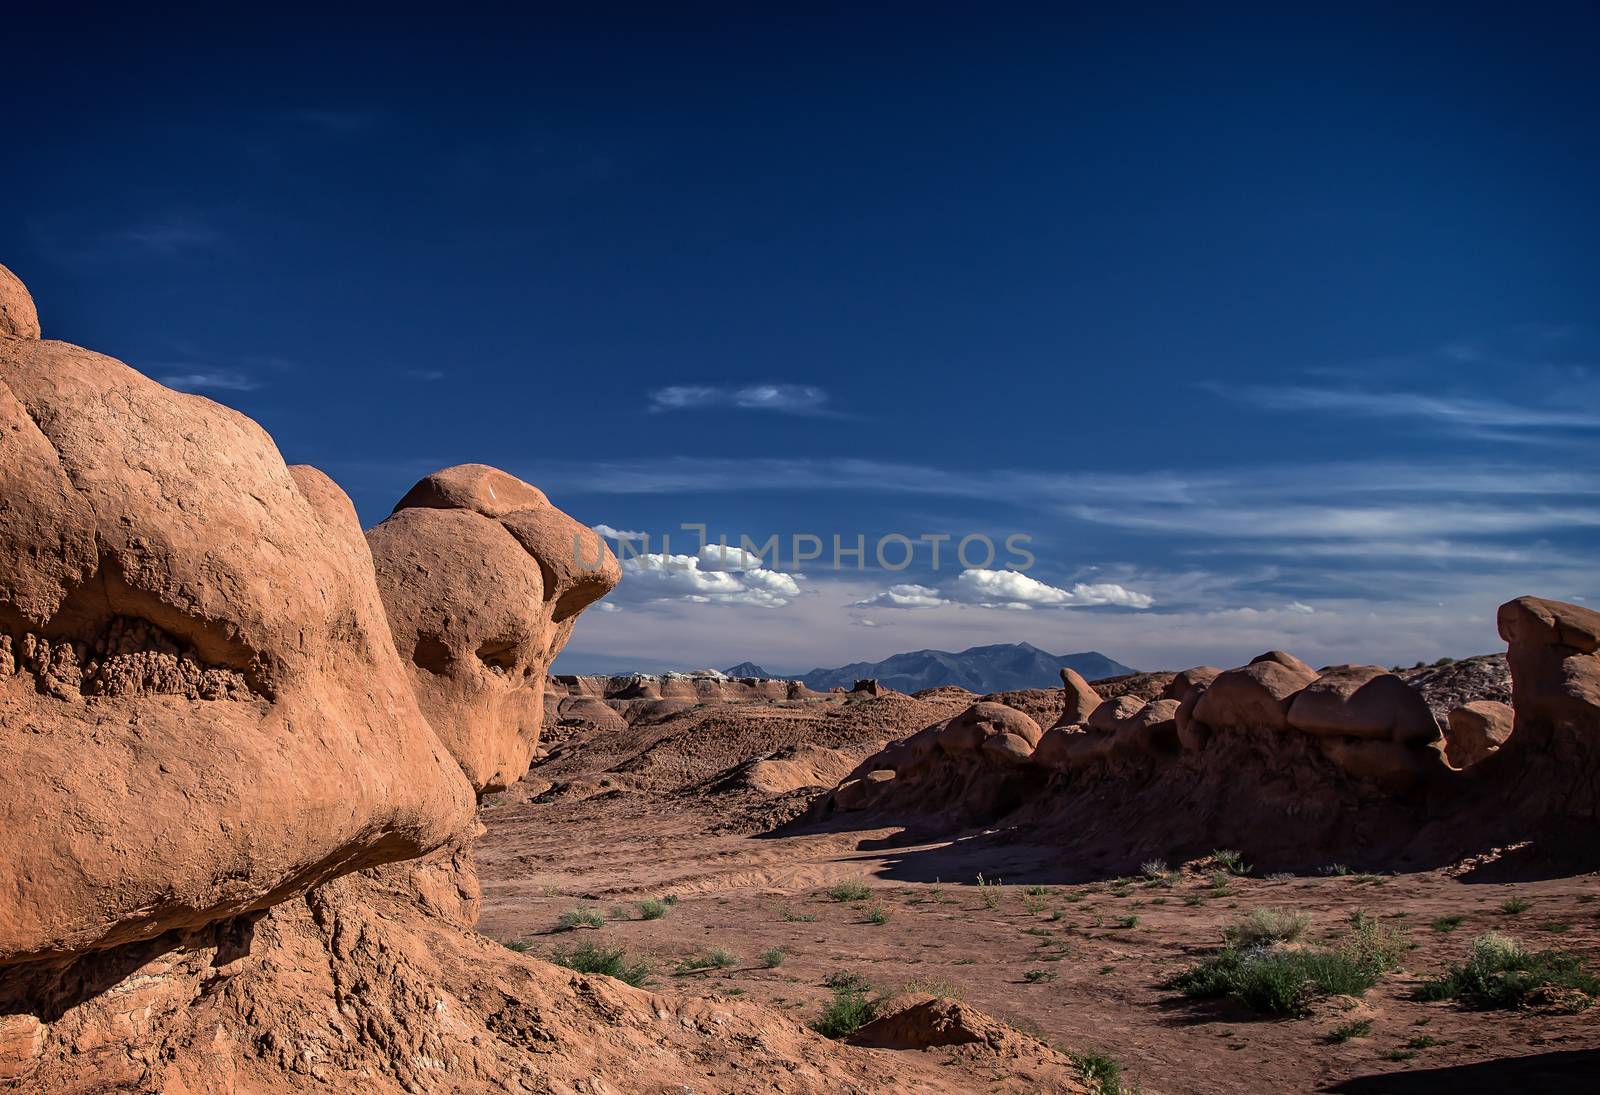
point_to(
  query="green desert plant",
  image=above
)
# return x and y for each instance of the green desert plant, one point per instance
(1033, 977)
(1231, 861)
(653, 909)
(1099, 1070)
(1268, 925)
(1355, 1028)
(878, 914)
(580, 918)
(791, 917)
(519, 945)
(990, 892)
(715, 959)
(773, 958)
(1154, 869)
(1500, 973)
(850, 890)
(1515, 906)
(849, 1010)
(1447, 923)
(611, 961)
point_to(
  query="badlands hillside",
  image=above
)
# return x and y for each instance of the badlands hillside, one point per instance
(289, 806)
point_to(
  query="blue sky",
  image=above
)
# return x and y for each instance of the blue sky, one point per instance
(1268, 328)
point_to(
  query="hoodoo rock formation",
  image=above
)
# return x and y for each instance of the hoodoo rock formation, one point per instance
(1294, 764)
(483, 579)
(201, 711)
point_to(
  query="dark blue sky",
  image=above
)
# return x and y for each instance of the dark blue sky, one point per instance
(1270, 328)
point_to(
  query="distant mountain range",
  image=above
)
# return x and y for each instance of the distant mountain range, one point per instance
(999, 668)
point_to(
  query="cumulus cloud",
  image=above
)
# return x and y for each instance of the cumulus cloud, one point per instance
(618, 534)
(1008, 589)
(785, 398)
(716, 575)
(903, 596)
(1013, 589)
(1300, 607)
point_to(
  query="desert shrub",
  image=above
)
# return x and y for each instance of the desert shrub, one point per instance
(849, 1010)
(519, 945)
(611, 961)
(651, 909)
(990, 892)
(1500, 973)
(792, 917)
(1515, 906)
(1033, 977)
(1033, 903)
(1127, 921)
(1280, 981)
(1154, 869)
(1355, 1028)
(851, 1007)
(580, 918)
(1269, 925)
(1037, 891)
(715, 959)
(773, 958)
(852, 890)
(1102, 1072)
(1276, 982)
(1373, 945)
(1221, 884)
(878, 914)
(1231, 861)
(1447, 923)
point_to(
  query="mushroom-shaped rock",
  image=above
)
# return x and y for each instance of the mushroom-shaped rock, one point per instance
(1253, 697)
(1188, 679)
(18, 317)
(483, 580)
(1151, 730)
(1109, 716)
(206, 714)
(969, 730)
(1081, 698)
(1363, 701)
(1288, 661)
(1477, 729)
(1555, 668)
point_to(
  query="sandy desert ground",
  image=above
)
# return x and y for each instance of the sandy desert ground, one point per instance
(1073, 958)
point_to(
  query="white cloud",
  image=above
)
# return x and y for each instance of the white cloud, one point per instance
(211, 380)
(714, 576)
(903, 596)
(862, 621)
(1013, 589)
(1300, 607)
(610, 606)
(618, 534)
(1459, 412)
(785, 398)
(1008, 589)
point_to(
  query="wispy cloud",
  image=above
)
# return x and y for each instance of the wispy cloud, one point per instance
(1466, 414)
(801, 399)
(169, 235)
(212, 380)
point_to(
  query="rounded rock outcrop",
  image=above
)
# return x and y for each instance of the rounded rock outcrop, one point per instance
(18, 316)
(1363, 701)
(971, 730)
(483, 580)
(193, 635)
